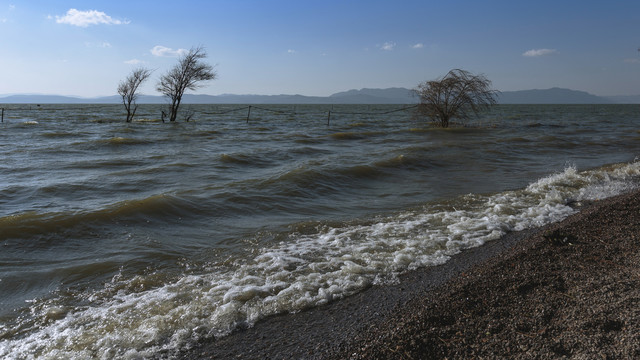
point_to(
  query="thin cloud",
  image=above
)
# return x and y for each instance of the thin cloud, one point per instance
(4, 19)
(539, 52)
(291, 51)
(632, 61)
(103, 44)
(163, 51)
(134, 62)
(85, 18)
(388, 46)
(418, 46)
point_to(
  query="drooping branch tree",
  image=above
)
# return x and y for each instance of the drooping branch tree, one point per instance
(188, 74)
(128, 89)
(459, 94)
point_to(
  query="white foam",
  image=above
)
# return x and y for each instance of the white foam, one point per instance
(305, 271)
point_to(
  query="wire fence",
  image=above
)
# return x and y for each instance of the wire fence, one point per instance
(328, 114)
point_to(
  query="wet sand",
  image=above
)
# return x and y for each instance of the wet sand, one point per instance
(570, 289)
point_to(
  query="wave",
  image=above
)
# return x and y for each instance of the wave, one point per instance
(404, 161)
(29, 122)
(59, 134)
(342, 177)
(113, 141)
(33, 224)
(146, 120)
(347, 136)
(317, 264)
(308, 181)
(239, 159)
(305, 139)
(122, 141)
(104, 163)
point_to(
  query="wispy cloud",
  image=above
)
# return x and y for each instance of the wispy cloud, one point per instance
(632, 61)
(134, 62)
(4, 19)
(291, 51)
(85, 18)
(418, 46)
(539, 52)
(164, 51)
(388, 46)
(103, 44)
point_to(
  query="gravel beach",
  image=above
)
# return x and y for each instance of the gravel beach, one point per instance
(566, 290)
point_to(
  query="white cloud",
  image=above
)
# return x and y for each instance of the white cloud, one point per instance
(164, 51)
(85, 18)
(134, 62)
(539, 52)
(632, 61)
(4, 19)
(103, 44)
(291, 51)
(388, 46)
(418, 46)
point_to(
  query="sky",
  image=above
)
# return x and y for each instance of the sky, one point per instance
(316, 48)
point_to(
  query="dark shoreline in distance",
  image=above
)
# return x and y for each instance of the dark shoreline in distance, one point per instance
(568, 288)
(364, 96)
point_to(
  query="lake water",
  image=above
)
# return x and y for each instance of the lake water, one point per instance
(133, 240)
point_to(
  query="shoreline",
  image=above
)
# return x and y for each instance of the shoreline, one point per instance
(565, 289)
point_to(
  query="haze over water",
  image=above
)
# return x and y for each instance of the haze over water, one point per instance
(128, 240)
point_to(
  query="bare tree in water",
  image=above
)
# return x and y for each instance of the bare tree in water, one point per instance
(128, 89)
(459, 94)
(189, 73)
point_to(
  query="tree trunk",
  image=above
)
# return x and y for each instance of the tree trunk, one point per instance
(173, 113)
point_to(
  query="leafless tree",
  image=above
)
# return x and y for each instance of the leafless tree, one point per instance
(459, 94)
(187, 74)
(128, 89)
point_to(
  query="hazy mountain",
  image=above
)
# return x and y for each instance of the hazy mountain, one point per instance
(624, 99)
(44, 99)
(550, 96)
(362, 96)
(376, 96)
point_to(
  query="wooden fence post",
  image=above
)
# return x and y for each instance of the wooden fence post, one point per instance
(248, 114)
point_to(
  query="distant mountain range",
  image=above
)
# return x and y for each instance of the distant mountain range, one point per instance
(362, 96)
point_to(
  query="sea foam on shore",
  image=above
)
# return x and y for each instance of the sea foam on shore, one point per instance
(313, 269)
(571, 290)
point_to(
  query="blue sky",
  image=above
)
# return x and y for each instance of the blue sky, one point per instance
(85, 48)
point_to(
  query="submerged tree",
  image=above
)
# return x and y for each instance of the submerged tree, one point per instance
(128, 89)
(187, 74)
(459, 94)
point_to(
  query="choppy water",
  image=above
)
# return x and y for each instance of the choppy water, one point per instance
(133, 240)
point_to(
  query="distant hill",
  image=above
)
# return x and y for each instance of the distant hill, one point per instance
(550, 96)
(376, 96)
(45, 99)
(632, 99)
(363, 96)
